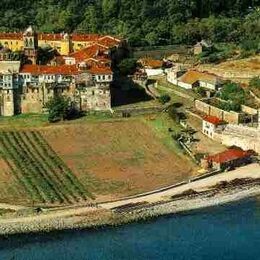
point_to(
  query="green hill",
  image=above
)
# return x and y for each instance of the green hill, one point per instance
(143, 22)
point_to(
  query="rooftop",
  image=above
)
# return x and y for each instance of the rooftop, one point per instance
(44, 69)
(100, 70)
(229, 155)
(213, 120)
(90, 52)
(193, 76)
(151, 63)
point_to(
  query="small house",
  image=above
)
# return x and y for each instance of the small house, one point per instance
(152, 67)
(193, 78)
(201, 46)
(227, 160)
(211, 124)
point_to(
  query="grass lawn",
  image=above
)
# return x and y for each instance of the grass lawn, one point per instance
(24, 120)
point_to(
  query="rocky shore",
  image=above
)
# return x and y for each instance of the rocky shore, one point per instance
(98, 216)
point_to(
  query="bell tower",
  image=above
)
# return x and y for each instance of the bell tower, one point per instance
(30, 40)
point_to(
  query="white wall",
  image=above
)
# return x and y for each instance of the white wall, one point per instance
(154, 72)
(208, 129)
(104, 78)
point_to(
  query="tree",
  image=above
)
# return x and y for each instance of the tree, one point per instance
(255, 83)
(58, 108)
(164, 99)
(127, 66)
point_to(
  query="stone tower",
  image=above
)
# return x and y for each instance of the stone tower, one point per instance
(30, 44)
(7, 95)
(65, 44)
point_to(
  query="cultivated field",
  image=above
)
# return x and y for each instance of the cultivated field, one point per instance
(241, 70)
(120, 158)
(75, 162)
(32, 172)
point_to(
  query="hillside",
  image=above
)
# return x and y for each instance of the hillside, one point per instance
(143, 22)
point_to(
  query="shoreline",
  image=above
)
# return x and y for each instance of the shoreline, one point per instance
(114, 214)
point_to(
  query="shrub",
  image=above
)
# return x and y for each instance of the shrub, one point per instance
(164, 99)
(58, 108)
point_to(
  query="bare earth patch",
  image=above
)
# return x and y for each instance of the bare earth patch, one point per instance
(119, 158)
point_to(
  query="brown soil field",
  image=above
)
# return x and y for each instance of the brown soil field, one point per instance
(240, 70)
(11, 190)
(118, 158)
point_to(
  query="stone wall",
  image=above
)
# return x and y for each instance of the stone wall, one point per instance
(247, 138)
(6, 102)
(230, 117)
(249, 110)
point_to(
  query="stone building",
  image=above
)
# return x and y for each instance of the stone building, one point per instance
(201, 46)
(64, 43)
(82, 71)
(227, 160)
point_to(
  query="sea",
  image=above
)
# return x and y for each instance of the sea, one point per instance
(223, 232)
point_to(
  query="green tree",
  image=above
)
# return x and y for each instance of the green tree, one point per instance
(164, 99)
(255, 83)
(58, 108)
(127, 66)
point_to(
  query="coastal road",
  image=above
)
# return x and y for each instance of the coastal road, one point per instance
(249, 171)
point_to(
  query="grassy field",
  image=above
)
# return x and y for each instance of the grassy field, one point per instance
(94, 156)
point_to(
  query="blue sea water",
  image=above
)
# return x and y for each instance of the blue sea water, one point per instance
(224, 232)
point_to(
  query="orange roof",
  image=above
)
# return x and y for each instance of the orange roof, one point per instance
(85, 37)
(228, 155)
(193, 76)
(11, 36)
(90, 52)
(151, 63)
(50, 36)
(213, 120)
(100, 70)
(44, 69)
(109, 41)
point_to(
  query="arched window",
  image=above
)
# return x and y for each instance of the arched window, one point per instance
(31, 42)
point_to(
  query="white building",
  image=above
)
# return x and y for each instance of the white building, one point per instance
(211, 124)
(192, 79)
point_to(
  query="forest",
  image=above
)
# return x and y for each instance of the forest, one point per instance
(142, 22)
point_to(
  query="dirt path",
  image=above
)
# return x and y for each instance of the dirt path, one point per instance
(12, 207)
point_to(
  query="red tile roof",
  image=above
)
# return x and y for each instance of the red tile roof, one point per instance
(109, 41)
(85, 37)
(56, 70)
(229, 155)
(213, 120)
(11, 36)
(90, 52)
(100, 70)
(50, 36)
